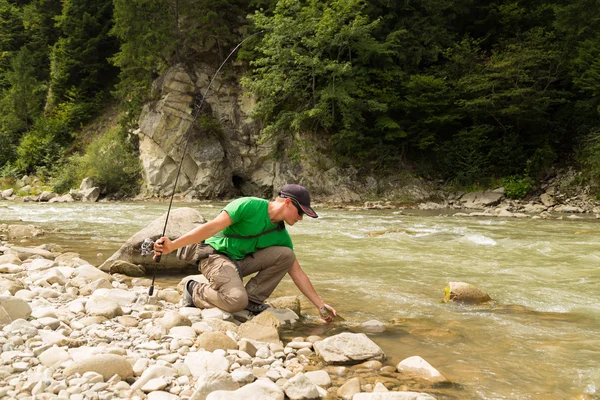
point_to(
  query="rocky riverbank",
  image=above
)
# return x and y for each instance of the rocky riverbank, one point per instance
(71, 331)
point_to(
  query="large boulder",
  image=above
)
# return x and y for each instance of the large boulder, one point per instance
(480, 200)
(181, 221)
(348, 348)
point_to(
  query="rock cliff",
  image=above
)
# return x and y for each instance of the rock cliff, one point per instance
(232, 160)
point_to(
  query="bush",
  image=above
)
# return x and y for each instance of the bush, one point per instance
(516, 187)
(67, 175)
(588, 158)
(113, 164)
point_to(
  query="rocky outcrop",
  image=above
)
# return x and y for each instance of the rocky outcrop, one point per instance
(215, 164)
(232, 159)
(181, 220)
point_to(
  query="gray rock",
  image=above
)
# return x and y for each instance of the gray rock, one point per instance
(568, 209)
(420, 368)
(480, 200)
(183, 332)
(263, 328)
(90, 273)
(7, 193)
(242, 376)
(120, 296)
(285, 316)
(201, 362)
(162, 396)
(87, 183)
(127, 268)
(349, 389)
(155, 384)
(21, 327)
(67, 198)
(106, 365)
(211, 341)
(10, 284)
(393, 396)
(300, 387)
(12, 309)
(53, 356)
(172, 319)
(90, 195)
(547, 200)
(91, 287)
(212, 381)
(291, 302)
(23, 231)
(47, 196)
(348, 348)
(262, 389)
(103, 306)
(27, 252)
(181, 220)
(10, 259)
(319, 378)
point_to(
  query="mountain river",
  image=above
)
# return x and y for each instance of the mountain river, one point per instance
(538, 340)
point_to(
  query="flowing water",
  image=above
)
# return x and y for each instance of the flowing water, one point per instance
(538, 341)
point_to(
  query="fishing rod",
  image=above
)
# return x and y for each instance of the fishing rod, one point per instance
(148, 243)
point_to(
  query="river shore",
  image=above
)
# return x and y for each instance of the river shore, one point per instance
(71, 331)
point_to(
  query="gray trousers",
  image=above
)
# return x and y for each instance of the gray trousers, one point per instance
(225, 289)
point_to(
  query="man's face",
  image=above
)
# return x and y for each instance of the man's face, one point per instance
(293, 212)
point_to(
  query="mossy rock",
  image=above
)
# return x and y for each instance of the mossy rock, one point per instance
(461, 292)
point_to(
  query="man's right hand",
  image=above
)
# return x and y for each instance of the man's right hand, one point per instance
(162, 246)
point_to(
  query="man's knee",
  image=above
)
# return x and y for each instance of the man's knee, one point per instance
(287, 257)
(237, 301)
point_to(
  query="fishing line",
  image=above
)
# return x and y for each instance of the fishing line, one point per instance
(187, 139)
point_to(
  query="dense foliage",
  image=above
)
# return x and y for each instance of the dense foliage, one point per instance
(467, 90)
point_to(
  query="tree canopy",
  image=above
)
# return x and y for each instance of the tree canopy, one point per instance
(466, 90)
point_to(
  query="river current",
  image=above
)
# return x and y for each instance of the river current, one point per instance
(538, 340)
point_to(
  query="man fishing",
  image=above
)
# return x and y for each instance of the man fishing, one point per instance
(247, 237)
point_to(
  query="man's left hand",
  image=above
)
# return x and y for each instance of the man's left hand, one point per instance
(327, 312)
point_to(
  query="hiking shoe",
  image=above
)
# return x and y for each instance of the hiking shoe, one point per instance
(256, 308)
(187, 299)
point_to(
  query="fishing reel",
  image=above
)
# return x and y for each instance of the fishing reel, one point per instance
(147, 247)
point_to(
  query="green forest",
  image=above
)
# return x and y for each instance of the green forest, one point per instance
(467, 91)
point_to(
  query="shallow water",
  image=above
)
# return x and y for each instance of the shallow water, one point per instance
(538, 341)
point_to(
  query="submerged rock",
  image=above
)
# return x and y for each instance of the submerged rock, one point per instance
(393, 396)
(420, 368)
(462, 292)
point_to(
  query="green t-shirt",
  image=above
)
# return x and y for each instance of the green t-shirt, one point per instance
(249, 216)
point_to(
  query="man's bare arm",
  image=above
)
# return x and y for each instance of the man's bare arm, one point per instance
(302, 281)
(165, 246)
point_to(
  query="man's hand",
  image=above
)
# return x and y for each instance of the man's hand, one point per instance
(162, 246)
(327, 312)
